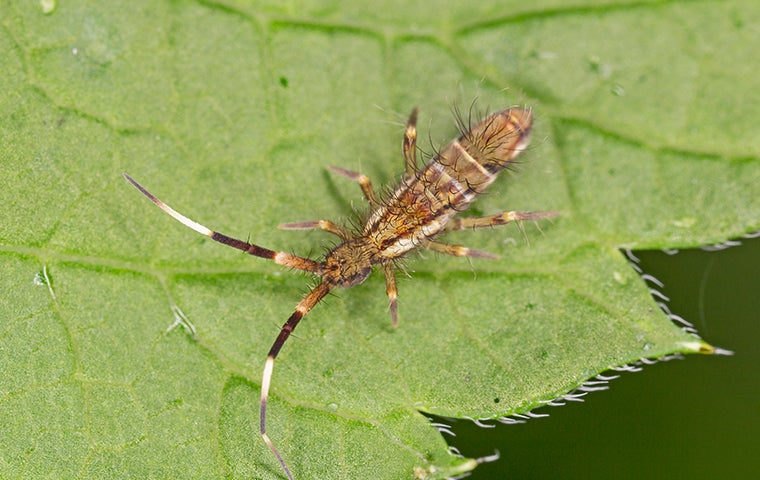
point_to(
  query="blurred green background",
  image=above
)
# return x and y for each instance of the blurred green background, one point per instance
(695, 418)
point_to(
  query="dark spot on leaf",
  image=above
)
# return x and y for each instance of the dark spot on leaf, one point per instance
(594, 65)
(284, 82)
(476, 212)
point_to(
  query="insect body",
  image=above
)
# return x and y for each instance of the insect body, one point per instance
(421, 208)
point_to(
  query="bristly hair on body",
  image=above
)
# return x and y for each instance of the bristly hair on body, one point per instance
(424, 206)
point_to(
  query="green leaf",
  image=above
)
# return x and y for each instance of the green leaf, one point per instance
(645, 138)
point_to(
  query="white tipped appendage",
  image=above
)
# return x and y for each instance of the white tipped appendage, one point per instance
(166, 208)
(266, 378)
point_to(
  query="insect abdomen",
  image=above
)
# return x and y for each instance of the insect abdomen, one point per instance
(420, 209)
(499, 138)
(469, 164)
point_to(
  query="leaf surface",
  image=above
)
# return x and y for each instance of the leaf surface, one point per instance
(229, 111)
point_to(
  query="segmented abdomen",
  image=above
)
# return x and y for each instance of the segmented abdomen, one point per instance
(422, 206)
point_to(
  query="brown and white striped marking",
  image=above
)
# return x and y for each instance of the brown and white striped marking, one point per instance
(419, 210)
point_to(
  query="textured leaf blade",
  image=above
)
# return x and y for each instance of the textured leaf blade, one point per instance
(231, 117)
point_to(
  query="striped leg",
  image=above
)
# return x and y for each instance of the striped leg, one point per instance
(495, 220)
(391, 291)
(364, 182)
(457, 250)
(280, 258)
(409, 147)
(325, 225)
(301, 310)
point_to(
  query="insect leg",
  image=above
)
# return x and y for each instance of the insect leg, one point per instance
(502, 218)
(280, 258)
(409, 147)
(364, 182)
(301, 310)
(325, 225)
(391, 291)
(456, 250)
